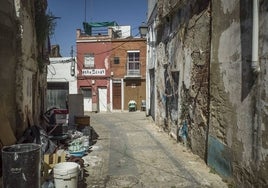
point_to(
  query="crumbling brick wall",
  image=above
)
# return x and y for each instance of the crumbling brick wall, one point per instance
(183, 51)
(238, 112)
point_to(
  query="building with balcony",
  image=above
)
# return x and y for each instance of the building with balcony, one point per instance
(128, 68)
(111, 66)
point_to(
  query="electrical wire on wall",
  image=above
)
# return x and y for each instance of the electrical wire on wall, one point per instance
(53, 72)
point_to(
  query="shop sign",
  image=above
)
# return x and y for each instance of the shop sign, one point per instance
(93, 72)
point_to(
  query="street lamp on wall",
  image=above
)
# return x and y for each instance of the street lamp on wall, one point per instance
(72, 69)
(143, 29)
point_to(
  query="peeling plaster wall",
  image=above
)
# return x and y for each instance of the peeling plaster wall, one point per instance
(8, 54)
(238, 115)
(228, 57)
(22, 85)
(27, 67)
(183, 51)
(215, 70)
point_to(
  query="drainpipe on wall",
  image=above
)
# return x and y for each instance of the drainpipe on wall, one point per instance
(255, 37)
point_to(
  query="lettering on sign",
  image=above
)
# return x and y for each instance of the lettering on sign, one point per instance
(93, 72)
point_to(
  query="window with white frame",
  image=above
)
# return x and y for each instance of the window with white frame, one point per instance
(133, 63)
(89, 61)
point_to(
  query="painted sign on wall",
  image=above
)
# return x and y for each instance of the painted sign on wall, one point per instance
(93, 72)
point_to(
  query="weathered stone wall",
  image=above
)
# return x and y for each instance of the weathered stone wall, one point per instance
(206, 85)
(22, 84)
(26, 65)
(262, 126)
(183, 51)
(8, 54)
(237, 133)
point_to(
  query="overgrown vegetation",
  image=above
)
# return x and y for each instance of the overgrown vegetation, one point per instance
(45, 24)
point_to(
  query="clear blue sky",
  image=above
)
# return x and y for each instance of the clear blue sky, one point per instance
(73, 13)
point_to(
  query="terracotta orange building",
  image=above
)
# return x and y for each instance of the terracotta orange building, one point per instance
(128, 68)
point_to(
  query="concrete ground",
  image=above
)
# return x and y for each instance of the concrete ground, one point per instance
(131, 151)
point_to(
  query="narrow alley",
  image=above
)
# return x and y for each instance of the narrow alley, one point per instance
(130, 151)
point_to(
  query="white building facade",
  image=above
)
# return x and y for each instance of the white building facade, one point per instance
(61, 81)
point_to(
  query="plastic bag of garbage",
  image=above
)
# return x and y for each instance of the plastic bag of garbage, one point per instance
(36, 134)
(48, 184)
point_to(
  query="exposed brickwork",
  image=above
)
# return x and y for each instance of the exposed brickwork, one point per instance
(120, 50)
(106, 49)
(183, 38)
(134, 88)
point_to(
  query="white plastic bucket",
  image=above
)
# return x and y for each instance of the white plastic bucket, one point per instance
(66, 175)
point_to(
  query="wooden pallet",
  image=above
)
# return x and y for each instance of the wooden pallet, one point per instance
(50, 160)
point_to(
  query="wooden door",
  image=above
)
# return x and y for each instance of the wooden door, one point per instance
(117, 96)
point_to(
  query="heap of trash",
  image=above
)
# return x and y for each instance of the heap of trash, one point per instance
(49, 156)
